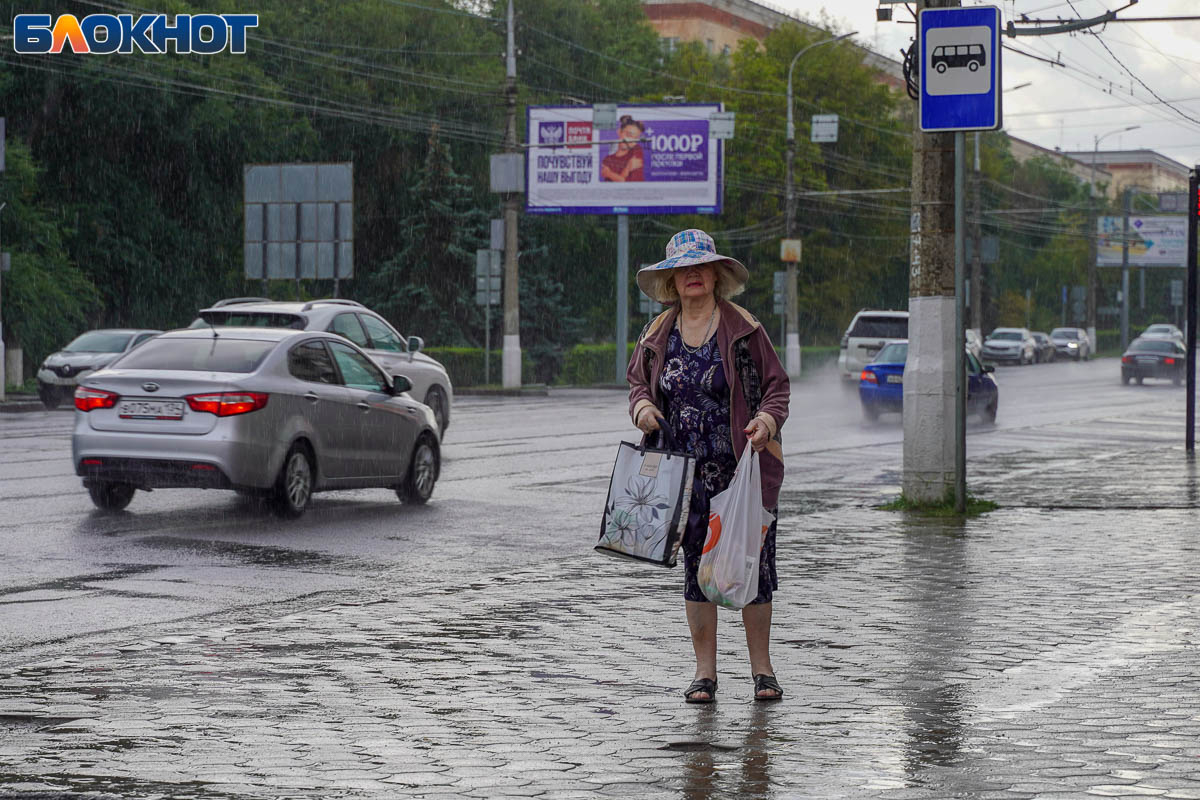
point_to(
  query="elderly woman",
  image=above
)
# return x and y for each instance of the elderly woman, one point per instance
(706, 368)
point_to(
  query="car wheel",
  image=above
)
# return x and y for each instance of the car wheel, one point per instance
(422, 472)
(870, 412)
(436, 400)
(1140, 381)
(49, 396)
(111, 496)
(1124, 379)
(989, 411)
(1177, 380)
(294, 486)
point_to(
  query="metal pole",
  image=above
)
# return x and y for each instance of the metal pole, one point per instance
(1193, 211)
(975, 292)
(792, 340)
(622, 296)
(487, 333)
(960, 350)
(1125, 271)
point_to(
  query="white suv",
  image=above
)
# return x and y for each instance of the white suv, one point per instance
(396, 354)
(869, 331)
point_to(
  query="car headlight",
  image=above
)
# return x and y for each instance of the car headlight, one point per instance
(1072, 344)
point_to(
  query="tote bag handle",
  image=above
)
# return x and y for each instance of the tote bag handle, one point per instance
(665, 440)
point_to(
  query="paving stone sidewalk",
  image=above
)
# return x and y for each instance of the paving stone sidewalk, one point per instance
(1048, 649)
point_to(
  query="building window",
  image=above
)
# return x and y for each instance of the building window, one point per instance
(669, 43)
(710, 45)
(725, 51)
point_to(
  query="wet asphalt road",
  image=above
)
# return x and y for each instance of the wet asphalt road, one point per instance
(521, 482)
(194, 647)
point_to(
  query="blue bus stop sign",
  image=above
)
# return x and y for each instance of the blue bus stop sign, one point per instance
(960, 68)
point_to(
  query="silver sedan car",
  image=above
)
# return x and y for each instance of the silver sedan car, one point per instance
(272, 412)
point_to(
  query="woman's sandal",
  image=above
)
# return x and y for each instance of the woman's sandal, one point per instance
(767, 683)
(701, 685)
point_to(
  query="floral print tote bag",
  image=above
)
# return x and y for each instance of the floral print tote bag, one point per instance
(648, 500)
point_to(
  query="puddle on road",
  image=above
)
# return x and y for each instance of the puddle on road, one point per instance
(258, 555)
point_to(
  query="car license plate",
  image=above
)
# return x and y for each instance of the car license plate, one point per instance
(150, 409)
(1147, 360)
(895, 378)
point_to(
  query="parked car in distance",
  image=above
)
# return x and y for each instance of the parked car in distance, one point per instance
(354, 321)
(1163, 330)
(868, 332)
(1072, 343)
(1154, 358)
(1045, 347)
(278, 413)
(1010, 344)
(974, 342)
(60, 372)
(881, 384)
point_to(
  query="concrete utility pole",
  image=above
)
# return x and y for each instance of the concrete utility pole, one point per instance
(792, 345)
(933, 341)
(511, 359)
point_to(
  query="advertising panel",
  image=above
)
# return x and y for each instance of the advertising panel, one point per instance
(654, 160)
(1153, 241)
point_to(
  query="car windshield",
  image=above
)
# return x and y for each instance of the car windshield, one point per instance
(1153, 346)
(894, 353)
(201, 354)
(1007, 336)
(249, 319)
(99, 342)
(1159, 329)
(1064, 333)
(875, 327)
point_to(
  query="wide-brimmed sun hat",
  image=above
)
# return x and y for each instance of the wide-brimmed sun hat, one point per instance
(686, 249)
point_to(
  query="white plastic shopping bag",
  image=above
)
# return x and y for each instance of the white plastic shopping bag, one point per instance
(737, 525)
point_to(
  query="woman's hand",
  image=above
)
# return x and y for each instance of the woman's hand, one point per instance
(647, 420)
(758, 433)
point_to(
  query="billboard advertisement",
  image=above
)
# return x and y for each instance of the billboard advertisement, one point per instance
(653, 160)
(1153, 241)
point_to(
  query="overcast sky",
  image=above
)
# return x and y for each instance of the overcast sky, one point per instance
(1093, 94)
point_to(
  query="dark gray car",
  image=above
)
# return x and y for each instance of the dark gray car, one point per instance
(278, 413)
(60, 372)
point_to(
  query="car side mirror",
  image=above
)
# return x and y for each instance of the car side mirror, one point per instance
(415, 343)
(989, 367)
(401, 384)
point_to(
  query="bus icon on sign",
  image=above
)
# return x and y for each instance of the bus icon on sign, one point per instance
(947, 57)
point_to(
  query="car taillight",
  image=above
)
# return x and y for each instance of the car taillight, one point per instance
(1170, 361)
(868, 376)
(1126, 359)
(227, 404)
(87, 399)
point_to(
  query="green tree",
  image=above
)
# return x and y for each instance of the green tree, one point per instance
(46, 299)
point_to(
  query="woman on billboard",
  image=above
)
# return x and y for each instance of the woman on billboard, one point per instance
(625, 164)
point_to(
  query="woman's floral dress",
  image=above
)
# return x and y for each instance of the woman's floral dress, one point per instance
(697, 409)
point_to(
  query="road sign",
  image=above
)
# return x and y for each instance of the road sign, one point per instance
(488, 271)
(780, 292)
(824, 128)
(299, 221)
(960, 68)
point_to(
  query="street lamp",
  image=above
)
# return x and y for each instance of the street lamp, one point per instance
(1095, 254)
(792, 346)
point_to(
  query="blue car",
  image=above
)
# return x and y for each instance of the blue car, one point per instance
(881, 385)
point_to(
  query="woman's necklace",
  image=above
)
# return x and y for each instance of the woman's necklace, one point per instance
(703, 341)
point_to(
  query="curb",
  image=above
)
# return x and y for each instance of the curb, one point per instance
(24, 406)
(530, 390)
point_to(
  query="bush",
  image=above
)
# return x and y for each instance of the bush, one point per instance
(587, 364)
(466, 365)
